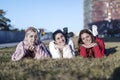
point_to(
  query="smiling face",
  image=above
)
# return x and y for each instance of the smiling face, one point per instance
(86, 38)
(60, 39)
(32, 37)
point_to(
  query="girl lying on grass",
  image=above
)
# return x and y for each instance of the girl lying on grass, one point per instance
(90, 46)
(30, 47)
(61, 47)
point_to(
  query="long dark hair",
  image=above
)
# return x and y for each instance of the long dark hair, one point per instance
(85, 31)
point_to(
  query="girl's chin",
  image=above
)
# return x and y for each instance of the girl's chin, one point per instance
(32, 43)
(63, 44)
(88, 44)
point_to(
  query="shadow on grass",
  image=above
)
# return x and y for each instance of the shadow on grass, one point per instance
(116, 74)
(111, 50)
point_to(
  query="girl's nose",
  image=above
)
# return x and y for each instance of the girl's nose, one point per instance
(61, 39)
(33, 38)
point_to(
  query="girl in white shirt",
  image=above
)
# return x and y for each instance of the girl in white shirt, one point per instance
(61, 47)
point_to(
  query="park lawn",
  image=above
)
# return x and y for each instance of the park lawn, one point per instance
(77, 68)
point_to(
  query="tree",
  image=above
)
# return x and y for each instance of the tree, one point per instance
(4, 22)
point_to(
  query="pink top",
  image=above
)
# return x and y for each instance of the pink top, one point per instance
(40, 52)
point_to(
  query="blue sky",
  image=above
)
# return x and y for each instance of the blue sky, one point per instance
(48, 14)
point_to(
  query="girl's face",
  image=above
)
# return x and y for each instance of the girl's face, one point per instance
(32, 38)
(86, 38)
(60, 39)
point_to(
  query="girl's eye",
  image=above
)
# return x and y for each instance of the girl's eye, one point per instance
(61, 36)
(31, 36)
(35, 36)
(87, 36)
(83, 38)
(58, 38)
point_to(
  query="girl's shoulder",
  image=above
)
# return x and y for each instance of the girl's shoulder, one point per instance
(20, 43)
(69, 41)
(40, 43)
(98, 39)
(52, 42)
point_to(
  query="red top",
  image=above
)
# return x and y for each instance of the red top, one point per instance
(98, 50)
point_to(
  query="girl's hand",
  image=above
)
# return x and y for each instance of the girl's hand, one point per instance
(90, 45)
(31, 48)
(60, 46)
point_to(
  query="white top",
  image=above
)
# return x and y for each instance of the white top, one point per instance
(68, 50)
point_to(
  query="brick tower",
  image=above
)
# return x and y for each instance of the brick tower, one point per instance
(103, 13)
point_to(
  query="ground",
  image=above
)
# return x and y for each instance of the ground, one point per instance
(77, 68)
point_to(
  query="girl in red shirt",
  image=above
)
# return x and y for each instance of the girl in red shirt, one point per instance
(89, 45)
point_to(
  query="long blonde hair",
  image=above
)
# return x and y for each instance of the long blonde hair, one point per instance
(28, 31)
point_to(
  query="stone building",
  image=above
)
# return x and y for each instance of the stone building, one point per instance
(103, 13)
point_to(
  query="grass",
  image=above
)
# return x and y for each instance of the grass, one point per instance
(78, 68)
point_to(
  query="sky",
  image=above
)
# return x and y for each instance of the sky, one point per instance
(48, 14)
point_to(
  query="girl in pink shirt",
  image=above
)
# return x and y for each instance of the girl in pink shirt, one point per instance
(30, 46)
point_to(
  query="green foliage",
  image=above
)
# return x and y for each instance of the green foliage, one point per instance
(4, 22)
(77, 68)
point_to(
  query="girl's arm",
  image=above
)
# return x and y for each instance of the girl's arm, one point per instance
(82, 51)
(55, 53)
(19, 53)
(41, 52)
(67, 52)
(99, 49)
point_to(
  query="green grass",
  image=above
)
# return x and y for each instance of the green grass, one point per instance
(78, 68)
